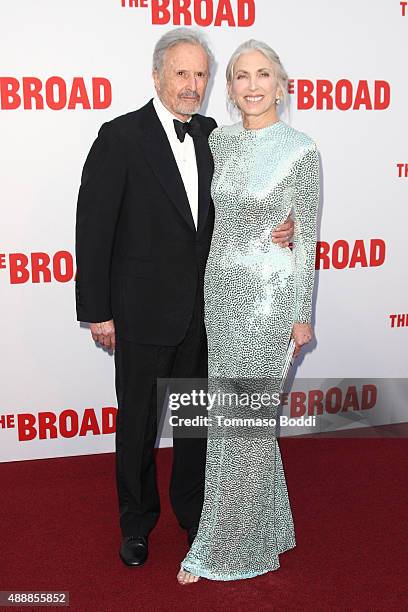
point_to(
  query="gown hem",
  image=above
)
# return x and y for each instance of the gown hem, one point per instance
(202, 573)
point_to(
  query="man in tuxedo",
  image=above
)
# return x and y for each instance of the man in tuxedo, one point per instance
(144, 224)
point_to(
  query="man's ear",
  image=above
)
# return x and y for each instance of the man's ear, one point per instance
(156, 80)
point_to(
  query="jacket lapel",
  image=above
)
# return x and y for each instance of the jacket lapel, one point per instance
(205, 166)
(161, 159)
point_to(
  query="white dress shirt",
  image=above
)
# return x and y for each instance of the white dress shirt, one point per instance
(184, 154)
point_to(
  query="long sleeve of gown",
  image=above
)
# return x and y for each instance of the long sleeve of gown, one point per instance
(305, 208)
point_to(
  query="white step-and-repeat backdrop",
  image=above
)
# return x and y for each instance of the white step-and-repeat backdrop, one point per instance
(67, 67)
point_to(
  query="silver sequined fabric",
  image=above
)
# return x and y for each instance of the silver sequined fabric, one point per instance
(254, 292)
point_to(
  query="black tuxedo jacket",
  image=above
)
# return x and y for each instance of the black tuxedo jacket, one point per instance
(140, 259)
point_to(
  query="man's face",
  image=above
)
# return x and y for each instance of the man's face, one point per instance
(182, 82)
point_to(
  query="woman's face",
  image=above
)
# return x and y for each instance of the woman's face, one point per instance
(254, 87)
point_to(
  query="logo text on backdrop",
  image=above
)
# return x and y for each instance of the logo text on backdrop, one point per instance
(203, 13)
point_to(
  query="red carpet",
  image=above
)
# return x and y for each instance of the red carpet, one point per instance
(349, 499)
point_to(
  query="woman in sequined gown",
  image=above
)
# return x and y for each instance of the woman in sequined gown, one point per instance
(257, 296)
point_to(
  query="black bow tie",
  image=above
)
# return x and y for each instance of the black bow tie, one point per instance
(187, 127)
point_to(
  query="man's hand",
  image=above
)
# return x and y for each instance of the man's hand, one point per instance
(104, 333)
(283, 234)
(302, 333)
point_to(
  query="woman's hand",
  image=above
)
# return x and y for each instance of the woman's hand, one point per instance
(302, 333)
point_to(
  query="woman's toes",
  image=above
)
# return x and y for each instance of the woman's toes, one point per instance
(181, 577)
(184, 577)
(192, 578)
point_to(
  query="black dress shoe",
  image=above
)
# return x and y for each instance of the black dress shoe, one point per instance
(191, 534)
(133, 551)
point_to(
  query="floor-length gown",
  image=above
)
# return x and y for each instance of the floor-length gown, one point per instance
(254, 291)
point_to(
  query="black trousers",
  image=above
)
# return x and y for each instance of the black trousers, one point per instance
(137, 369)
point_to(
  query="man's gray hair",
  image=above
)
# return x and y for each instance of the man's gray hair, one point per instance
(175, 37)
(270, 54)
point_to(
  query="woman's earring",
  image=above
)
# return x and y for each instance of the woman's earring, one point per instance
(277, 101)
